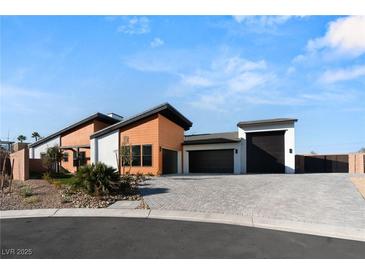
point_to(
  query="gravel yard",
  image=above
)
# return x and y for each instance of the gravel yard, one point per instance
(41, 194)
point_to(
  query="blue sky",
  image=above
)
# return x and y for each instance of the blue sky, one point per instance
(217, 70)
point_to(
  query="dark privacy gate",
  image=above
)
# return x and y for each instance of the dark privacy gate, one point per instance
(338, 163)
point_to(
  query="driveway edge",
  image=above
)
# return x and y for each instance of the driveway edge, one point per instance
(341, 232)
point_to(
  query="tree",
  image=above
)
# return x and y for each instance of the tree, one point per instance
(362, 150)
(313, 152)
(125, 154)
(21, 138)
(52, 159)
(36, 135)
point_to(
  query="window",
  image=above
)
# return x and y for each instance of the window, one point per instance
(79, 160)
(82, 157)
(147, 155)
(75, 159)
(42, 154)
(136, 155)
(65, 157)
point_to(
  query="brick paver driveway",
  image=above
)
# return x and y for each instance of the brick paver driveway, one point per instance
(329, 199)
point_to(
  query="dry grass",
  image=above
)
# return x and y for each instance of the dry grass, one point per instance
(359, 182)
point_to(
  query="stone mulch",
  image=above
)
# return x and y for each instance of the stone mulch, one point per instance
(33, 194)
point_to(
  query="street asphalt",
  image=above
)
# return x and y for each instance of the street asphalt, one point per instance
(105, 237)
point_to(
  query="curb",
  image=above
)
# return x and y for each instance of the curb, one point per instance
(348, 233)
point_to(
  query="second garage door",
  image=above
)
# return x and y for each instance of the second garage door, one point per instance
(211, 161)
(265, 152)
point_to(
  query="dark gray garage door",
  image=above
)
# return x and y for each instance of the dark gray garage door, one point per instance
(211, 161)
(169, 161)
(265, 152)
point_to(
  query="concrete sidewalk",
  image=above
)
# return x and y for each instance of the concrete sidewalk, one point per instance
(260, 222)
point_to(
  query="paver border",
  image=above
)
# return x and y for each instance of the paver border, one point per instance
(348, 233)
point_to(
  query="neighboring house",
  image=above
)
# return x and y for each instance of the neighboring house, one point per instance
(74, 140)
(158, 145)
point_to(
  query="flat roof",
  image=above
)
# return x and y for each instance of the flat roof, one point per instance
(212, 138)
(267, 121)
(98, 115)
(165, 109)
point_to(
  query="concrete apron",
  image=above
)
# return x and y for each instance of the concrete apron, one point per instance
(349, 233)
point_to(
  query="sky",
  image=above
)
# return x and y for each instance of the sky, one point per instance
(216, 70)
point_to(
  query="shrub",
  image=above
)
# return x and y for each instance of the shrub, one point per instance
(52, 159)
(48, 177)
(140, 177)
(98, 178)
(26, 191)
(32, 200)
(127, 178)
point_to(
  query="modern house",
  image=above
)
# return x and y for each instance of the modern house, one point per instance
(158, 145)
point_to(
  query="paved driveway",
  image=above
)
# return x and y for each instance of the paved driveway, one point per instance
(328, 199)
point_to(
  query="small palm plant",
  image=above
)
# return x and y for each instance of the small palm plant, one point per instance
(21, 138)
(36, 135)
(97, 178)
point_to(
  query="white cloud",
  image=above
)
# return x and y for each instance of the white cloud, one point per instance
(135, 25)
(264, 21)
(14, 91)
(345, 35)
(196, 80)
(332, 76)
(157, 42)
(227, 79)
(231, 74)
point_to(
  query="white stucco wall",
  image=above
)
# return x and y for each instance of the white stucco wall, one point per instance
(105, 149)
(289, 143)
(236, 156)
(35, 152)
(179, 162)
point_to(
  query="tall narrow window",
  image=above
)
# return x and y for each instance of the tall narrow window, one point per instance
(147, 155)
(82, 157)
(136, 155)
(65, 157)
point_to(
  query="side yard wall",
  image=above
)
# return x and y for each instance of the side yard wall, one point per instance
(21, 164)
(346, 163)
(36, 165)
(357, 163)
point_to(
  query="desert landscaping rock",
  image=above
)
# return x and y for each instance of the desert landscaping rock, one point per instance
(42, 194)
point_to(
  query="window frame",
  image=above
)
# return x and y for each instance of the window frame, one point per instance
(138, 156)
(148, 155)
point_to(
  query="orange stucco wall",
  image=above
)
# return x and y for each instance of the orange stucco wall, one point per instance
(157, 131)
(171, 136)
(144, 132)
(80, 136)
(98, 125)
